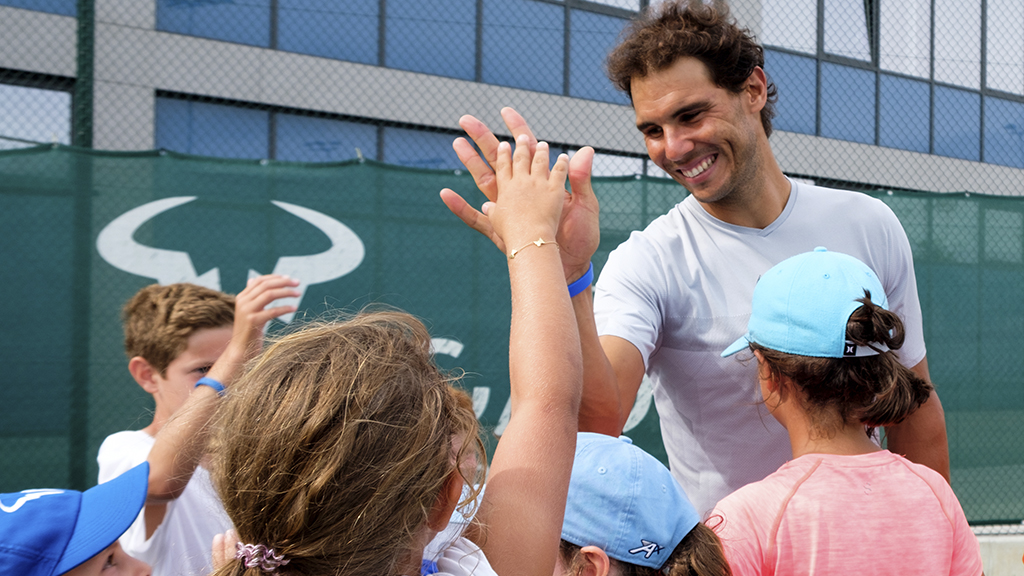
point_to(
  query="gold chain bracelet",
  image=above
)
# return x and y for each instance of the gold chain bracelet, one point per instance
(538, 243)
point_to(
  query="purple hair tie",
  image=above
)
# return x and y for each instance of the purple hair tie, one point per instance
(258, 555)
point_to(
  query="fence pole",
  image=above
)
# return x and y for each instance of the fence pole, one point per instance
(81, 115)
(78, 416)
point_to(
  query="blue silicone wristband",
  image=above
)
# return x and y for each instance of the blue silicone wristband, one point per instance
(206, 381)
(583, 283)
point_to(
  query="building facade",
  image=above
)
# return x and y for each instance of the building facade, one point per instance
(920, 94)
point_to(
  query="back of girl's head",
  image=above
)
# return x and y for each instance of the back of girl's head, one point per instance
(625, 502)
(821, 319)
(876, 390)
(335, 444)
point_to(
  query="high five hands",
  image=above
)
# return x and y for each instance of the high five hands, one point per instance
(578, 232)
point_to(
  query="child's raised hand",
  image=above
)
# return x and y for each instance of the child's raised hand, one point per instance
(529, 199)
(251, 315)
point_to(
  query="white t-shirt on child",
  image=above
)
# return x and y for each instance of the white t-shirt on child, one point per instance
(180, 546)
(463, 558)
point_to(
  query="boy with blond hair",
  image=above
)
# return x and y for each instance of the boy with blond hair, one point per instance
(185, 344)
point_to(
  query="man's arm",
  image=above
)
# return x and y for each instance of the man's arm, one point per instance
(181, 443)
(921, 437)
(613, 367)
(521, 514)
(613, 370)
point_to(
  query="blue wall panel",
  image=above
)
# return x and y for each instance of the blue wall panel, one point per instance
(957, 123)
(1004, 132)
(240, 22)
(794, 76)
(903, 121)
(62, 7)
(523, 45)
(340, 29)
(592, 37)
(211, 129)
(309, 139)
(847, 103)
(432, 36)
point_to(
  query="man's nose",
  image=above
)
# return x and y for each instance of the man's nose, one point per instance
(678, 143)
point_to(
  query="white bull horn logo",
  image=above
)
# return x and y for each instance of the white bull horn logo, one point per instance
(117, 246)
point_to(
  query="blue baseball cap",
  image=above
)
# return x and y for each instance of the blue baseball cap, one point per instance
(46, 532)
(624, 501)
(802, 304)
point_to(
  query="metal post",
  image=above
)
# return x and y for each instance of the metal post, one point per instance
(81, 114)
(81, 135)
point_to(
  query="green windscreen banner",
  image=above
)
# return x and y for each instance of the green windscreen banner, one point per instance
(84, 230)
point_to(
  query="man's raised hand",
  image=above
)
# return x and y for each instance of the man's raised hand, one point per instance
(578, 232)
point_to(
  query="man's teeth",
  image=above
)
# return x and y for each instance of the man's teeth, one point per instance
(698, 169)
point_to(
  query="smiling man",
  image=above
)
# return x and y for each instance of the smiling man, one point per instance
(674, 295)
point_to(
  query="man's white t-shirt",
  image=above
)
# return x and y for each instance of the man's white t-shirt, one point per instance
(180, 546)
(680, 291)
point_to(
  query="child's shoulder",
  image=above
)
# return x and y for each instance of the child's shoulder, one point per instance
(122, 451)
(126, 438)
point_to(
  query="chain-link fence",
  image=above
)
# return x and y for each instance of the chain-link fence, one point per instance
(909, 96)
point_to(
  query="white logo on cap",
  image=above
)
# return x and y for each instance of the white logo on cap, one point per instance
(648, 547)
(29, 495)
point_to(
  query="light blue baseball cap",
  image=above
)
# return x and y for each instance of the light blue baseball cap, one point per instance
(802, 304)
(624, 501)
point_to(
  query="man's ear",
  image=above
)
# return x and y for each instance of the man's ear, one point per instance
(756, 89)
(446, 502)
(144, 373)
(595, 561)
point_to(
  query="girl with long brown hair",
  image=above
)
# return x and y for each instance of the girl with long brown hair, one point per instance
(344, 450)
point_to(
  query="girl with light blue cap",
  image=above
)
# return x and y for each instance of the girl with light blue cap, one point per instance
(627, 516)
(825, 344)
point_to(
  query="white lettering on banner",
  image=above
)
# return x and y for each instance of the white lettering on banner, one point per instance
(506, 413)
(641, 407)
(116, 245)
(449, 347)
(446, 346)
(481, 395)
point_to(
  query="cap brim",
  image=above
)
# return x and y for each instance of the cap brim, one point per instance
(106, 512)
(741, 343)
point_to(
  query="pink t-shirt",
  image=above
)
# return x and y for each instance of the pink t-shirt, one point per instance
(874, 513)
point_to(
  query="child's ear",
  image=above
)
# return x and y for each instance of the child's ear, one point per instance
(772, 381)
(446, 502)
(763, 371)
(143, 373)
(595, 562)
